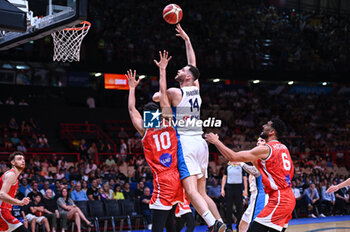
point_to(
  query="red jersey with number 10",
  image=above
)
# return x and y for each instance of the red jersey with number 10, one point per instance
(160, 148)
(277, 169)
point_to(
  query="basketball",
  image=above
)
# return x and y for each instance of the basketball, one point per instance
(172, 14)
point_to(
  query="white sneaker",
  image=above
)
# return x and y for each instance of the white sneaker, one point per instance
(322, 215)
(313, 215)
(149, 227)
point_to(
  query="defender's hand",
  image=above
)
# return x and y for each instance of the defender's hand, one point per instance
(164, 60)
(131, 76)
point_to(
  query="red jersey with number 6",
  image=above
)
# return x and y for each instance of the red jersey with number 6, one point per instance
(277, 169)
(160, 147)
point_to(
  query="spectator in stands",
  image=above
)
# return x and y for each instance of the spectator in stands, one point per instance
(139, 189)
(117, 193)
(341, 199)
(312, 198)
(83, 149)
(78, 194)
(33, 191)
(84, 186)
(214, 191)
(58, 188)
(61, 174)
(34, 142)
(106, 192)
(3, 166)
(9, 101)
(51, 210)
(91, 167)
(300, 199)
(62, 163)
(67, 206)
(53, 162)
(15, 140)
(37, 212)
(109, 148)
(145, 210)
(46, 186)
(21, 147)
(110, 161)
(328, 200)
(123, 147)
(13, 124)
(23, 103)
(140, 161)
(93, 193)
(43, 142)
(122, 134)
(128, 193)
(24, 186)
(92, 151)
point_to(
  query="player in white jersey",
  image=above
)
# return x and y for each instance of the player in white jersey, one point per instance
(193, 160)
(258, 198)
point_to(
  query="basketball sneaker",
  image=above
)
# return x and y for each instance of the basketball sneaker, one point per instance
(217, 227)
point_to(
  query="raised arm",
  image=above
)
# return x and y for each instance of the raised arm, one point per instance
(259, 152)
(250, 169)
(8, 180)
(133, 112)
(163, 97)
(191, 56)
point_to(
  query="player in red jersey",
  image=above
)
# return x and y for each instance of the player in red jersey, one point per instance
(160, 149)
(276, 167)
(8, 188)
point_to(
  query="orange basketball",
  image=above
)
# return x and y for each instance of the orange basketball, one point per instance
(172, 14)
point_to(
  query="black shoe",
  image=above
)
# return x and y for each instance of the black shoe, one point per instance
(217, 227)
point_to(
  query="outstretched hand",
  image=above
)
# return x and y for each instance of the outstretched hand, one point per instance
(332, 189)
(212, 138)
(164, 60)
(131, 76)
(181, 33)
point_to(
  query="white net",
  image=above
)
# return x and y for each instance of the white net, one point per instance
(68, 41)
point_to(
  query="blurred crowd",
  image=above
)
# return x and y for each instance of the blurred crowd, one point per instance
(24, 136)
(248, 35)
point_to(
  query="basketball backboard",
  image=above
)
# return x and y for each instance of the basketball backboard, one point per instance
(43, 18)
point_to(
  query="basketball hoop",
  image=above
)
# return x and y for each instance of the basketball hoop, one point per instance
(68, 41)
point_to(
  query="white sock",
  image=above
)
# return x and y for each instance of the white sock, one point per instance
(208, 218)
(220, 220)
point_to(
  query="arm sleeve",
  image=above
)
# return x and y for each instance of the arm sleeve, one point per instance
(251, 170)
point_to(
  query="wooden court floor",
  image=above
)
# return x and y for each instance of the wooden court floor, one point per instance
(331, 224)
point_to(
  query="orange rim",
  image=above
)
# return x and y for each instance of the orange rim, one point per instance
(79, 28)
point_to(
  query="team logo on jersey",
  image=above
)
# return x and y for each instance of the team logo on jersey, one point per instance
(288, 180)
(151, 119)
(166, 160)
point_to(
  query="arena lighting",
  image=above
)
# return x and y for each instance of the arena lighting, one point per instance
(290, 82)
(142, 77)
(98, 74)
(22, 67)
(256, 81)
(216, 80)
(324, 83)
